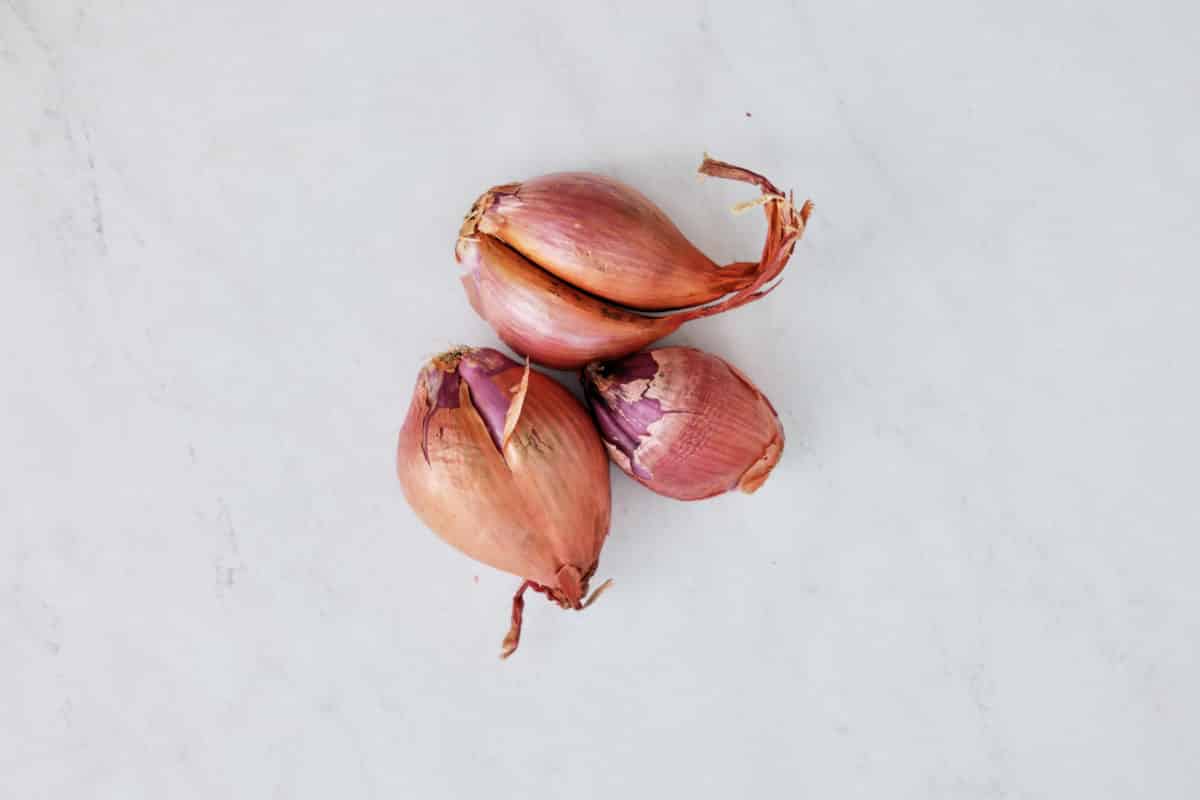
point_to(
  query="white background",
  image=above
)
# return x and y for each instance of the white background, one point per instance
(225, 248)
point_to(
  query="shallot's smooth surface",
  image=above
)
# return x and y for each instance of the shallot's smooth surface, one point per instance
(683, 422)
(504, 464)
(608, 239)
(555, 264)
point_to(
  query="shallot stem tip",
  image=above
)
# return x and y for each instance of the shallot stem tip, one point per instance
(596, 593)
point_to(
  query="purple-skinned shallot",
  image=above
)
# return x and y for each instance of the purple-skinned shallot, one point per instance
(683, 422)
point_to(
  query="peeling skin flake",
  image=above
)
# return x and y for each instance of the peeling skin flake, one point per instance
(488, 399)
(617, 394)
(442, 392)
(476, 367)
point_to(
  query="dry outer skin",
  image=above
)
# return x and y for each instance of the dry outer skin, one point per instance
(544, 318)
(540, 509)
(712, 430)
(608, 239)
(555, 322)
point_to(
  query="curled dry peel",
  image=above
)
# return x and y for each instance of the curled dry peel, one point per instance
(555, 264)
(685, 423)
(505, 465)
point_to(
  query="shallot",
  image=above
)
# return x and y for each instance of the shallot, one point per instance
(555, 264)
(683, 422)
(505, 465)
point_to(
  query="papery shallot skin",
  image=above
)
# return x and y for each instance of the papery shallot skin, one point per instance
(512, 475)
(684, 423)
(608, 239)
(544, 318)
(556, 264)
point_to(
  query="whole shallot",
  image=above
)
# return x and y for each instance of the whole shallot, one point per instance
(505, 465)
(555, 264)
(683, 422)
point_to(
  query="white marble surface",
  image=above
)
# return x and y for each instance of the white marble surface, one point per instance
(225, 247)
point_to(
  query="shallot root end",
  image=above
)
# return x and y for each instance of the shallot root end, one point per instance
(599, 590)
(513, 637)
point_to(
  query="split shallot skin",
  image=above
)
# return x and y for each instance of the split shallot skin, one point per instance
(505, 465)
(684, 423)
(607, 239)
(555, 264)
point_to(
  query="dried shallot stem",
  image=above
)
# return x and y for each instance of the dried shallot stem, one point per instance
(513, 637)
(599, 590)
(785, 226)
